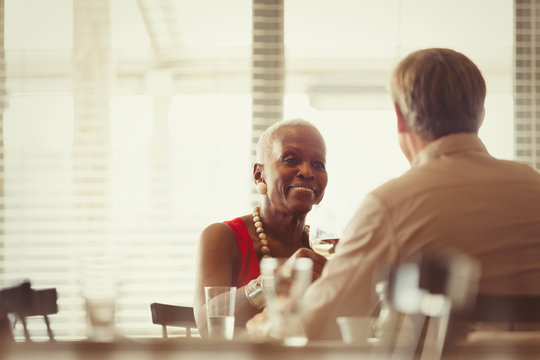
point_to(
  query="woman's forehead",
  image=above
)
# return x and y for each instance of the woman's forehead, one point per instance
(298, 137)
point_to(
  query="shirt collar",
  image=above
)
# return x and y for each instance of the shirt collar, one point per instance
(449, 144)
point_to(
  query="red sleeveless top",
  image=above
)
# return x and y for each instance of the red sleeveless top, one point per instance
(247, 266)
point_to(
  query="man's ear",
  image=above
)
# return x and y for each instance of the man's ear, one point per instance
(257, 172)
(482, 118)
(402, 126)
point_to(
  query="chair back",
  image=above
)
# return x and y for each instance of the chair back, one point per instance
(509, 309)
(173, 315)
(23, 301)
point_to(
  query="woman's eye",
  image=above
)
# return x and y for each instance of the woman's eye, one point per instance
(290, 160)
(319, 165)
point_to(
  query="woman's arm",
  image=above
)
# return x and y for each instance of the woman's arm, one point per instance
(216, 259)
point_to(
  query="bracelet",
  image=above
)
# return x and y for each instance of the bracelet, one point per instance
(254, 293)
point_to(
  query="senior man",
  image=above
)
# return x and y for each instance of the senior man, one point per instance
(455, 196)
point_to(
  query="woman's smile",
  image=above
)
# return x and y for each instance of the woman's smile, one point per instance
(303, 189)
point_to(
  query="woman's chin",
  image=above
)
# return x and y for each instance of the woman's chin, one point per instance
(301, 209)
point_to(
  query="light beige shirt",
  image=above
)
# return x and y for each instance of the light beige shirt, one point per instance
(455, 195)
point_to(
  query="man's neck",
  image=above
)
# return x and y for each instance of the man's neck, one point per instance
(413, 145)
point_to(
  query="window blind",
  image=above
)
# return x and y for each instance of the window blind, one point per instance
(268, 66)
(127, 124)
(122, 119)
(526, 81)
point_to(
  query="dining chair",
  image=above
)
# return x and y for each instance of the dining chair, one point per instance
(511, 309)
(510, 321)
(508, 313)
(22, 301)
(44, 303)
(173, 315)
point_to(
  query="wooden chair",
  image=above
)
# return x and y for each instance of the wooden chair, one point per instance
(173, 315)
(501, 314)
(23, 301)
(43, 304)
(507, 309)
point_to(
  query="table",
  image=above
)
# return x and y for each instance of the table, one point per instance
(196, 349)
(199, 349)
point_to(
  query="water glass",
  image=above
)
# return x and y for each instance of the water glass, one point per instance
(99, 282)
(284, 287)
(356, 329)
(220, 301)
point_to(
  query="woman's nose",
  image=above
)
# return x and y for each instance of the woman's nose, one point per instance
(305, 171)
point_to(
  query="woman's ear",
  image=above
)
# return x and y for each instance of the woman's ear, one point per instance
(257, 172)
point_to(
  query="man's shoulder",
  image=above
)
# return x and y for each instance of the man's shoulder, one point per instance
(521, 167)
(398, 186)
(437, 175)
(512, 171)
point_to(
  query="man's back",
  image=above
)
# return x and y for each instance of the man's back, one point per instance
(457, 196)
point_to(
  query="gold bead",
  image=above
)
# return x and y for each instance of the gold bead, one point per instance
(257, 222)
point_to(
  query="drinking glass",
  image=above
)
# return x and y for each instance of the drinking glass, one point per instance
(220, 301)
(356, 329)
(324, 231)
(99, 284)
(284, 285)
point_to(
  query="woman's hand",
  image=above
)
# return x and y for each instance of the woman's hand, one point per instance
(259, 325)
(318, 261)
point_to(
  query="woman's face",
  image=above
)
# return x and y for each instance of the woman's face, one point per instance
(295, 169)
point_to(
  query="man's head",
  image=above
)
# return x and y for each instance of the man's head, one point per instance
(439, 92)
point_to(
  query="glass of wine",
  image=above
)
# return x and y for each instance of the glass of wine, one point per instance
(324, 231)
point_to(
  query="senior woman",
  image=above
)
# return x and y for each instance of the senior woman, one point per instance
(290, 174)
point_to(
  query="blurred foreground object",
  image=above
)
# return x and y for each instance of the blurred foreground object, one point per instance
(284, 289)
(99, 279)
(22, 301)
(423, 294)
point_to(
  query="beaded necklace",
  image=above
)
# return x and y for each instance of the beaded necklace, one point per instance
(261, 234)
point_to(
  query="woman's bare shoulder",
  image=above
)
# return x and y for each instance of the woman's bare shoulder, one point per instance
(221, 232)
(223, 227)
(217, 231)
(218, 240)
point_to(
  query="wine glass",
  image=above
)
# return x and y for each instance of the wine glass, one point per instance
(324, 231)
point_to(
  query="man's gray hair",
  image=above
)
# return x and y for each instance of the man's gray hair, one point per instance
(264, 145)
(439, 92)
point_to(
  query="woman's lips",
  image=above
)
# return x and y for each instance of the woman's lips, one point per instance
(303, 188)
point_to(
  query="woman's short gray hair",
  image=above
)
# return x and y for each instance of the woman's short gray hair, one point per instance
(264, 145)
